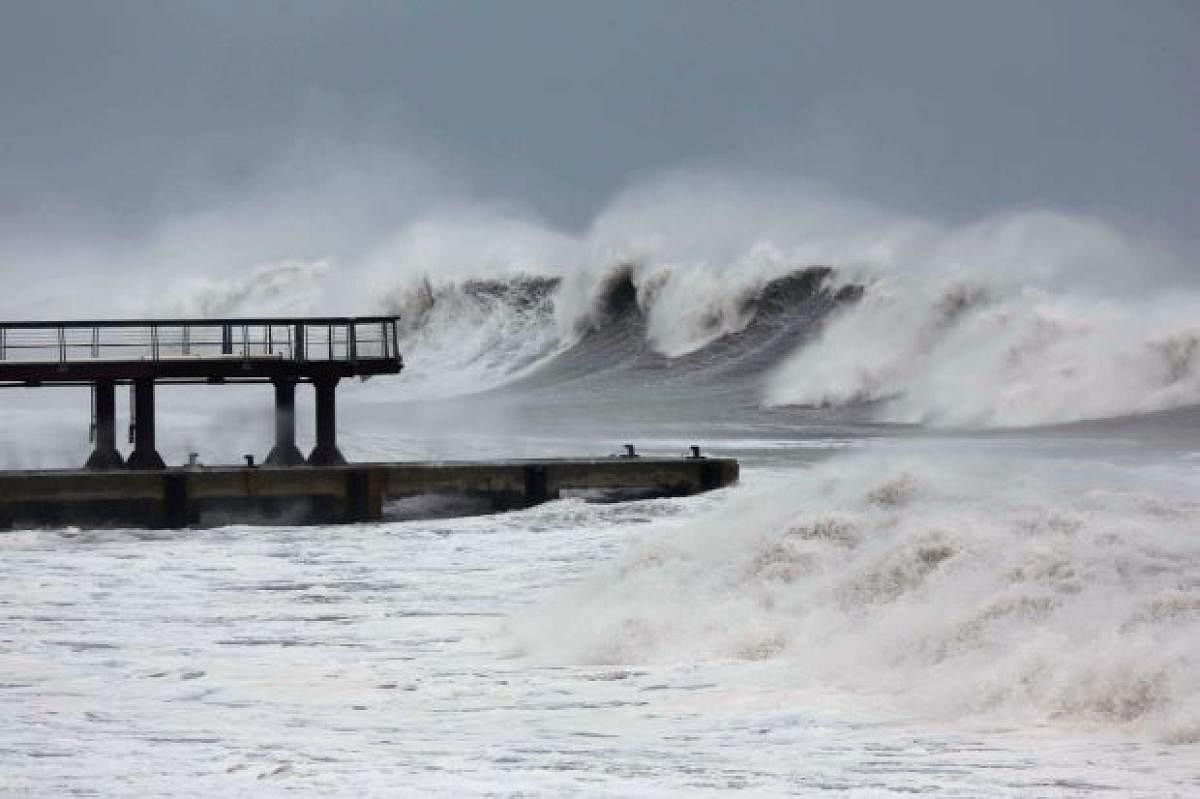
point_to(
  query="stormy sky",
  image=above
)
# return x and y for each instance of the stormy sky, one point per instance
(117, 115)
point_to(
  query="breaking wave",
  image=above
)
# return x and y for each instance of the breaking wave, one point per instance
(961, 587)
(970, 353)
(469, 335)
(742, 334)
(462, 337)
(1018, 319)
(783, 298)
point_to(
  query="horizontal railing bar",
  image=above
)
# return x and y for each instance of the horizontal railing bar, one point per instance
(144, 323)
(84, 344)
(162, 342)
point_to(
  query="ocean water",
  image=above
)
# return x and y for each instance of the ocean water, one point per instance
(857, 617)
(963, 560)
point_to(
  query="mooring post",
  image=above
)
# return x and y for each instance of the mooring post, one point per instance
(326, 452)
(105, 455)
(285, 452)
(144, 456)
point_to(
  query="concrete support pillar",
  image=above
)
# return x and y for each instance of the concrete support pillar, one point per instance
(285, 452)
(144, 455)
(326, 452)
(105, 455)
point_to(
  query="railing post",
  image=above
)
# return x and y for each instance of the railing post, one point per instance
(298, 352)
(227, 339)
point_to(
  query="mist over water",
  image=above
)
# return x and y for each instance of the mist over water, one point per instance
(928, 270)
(1017, 318)
(912, 543)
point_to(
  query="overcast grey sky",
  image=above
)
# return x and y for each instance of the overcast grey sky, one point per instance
(115, 113)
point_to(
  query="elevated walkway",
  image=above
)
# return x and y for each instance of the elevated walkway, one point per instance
(143, 353)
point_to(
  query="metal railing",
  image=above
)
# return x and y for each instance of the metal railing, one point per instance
(298, 339)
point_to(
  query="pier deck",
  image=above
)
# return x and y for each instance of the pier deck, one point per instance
(184, 497)
(144, 353)
(243, 350)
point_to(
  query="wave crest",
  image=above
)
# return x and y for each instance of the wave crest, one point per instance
(465, 336)
(969, 354)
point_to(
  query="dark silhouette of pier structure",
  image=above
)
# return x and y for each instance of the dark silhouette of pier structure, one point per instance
(144, 354)
(287, 487)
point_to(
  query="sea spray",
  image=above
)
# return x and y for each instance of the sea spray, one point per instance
(463, 337)
(995, 588)
(287, 288)
(1016, 318)
(1026, 318)
(968, 353)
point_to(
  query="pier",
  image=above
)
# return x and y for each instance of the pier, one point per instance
(142, 491)
(145, 354)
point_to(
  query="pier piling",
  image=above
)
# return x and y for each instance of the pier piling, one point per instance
(285, 452)
(105, 454)
(326, 452)
(144, 455)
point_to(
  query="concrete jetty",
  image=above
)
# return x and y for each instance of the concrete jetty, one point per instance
(340, 493)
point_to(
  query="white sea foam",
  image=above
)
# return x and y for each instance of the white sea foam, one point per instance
(1016, 318)
(343, 661)
(462, 337)
(1020, 319)
(966, 353)
(1024, 591)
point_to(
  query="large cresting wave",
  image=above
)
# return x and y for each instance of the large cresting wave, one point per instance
(785, 298)
(968, 352)
(1018, 319)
